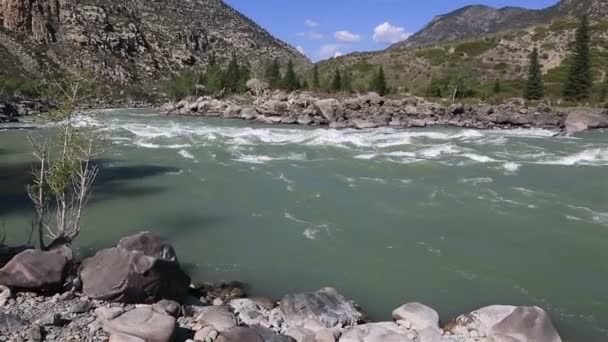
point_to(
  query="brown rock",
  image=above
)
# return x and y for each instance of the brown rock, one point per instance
(34, 270)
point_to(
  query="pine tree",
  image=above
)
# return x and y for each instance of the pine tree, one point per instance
(378, 83)
(336, 83)
(497, 86)
(232, 75)
(316, 84)
(347, 83)
(535, 88)
(579, 82)
(290, 80)
(273, 74)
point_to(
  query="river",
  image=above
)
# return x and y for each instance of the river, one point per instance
(454, 218)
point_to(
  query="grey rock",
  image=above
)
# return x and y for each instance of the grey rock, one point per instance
(252, 334)
(50, 319)
(5, 294)
(125, 338)
(232, 111)
(248, 113)
(218, 317)
(10, 323)
(330, 109)
(375, 332)
(326, 307)
(34, 333)
(582, 120)
(419, 315)
(526, 324)
(364, 124)
(108, 313)
(144, 323)
(149, 244)
(81, 307)
(168, 307)
(34, 270)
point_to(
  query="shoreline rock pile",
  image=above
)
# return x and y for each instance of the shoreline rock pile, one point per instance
(152, 300)
(372, 110)
(11, 109)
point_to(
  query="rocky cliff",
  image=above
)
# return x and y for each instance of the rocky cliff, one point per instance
(473, 21)
(127, 41)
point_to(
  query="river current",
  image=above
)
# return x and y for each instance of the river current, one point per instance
(453, 218)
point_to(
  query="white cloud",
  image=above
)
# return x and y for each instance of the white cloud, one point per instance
(389, 34)
(310, 35)
(300, 49)
(311, 23)
(329, 51)
(345, 36)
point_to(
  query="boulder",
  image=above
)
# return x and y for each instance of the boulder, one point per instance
(352, 104)
(149, 244)
(273, 107)
(419, 315)
(256, 87)
(363, 124)
(301, 334)
(326, 307)
(143, 323)
(526, 324)
(582, 120)
(232, 111)
(120, 275)
(252, 334)
(304, 119)
(218, 317)
(248, 113)
(372, 98)
(375, 332)
(329, 108)
(35, 270)
(5, 294)
(125, 338)
(167, 108)
(182, 104)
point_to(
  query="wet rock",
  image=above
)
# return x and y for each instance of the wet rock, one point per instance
(526, 324)
(143, 323)
(120, 275)
(34, 270)
(149, 244)
(363, 124)
(420, 316)
(326, 307)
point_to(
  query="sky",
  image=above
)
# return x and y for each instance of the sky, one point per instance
(323, 29)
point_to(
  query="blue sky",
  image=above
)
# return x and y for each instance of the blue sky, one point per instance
(324, 28)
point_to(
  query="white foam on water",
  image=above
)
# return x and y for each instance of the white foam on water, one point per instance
(511, 167)
(437, 151)
(595, 216)
(476, 181)
(186, 154)
(263, 159)
(373, 179)
(479, 158)
(594, 157)
(312, 231)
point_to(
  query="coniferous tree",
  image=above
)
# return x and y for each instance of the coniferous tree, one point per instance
(535, 88)
(497, 86)
(273, 74)
(378, 83)
(336, 83)
(347, 83)
(290, 80)
(579, 82)
(232, 75)
(316, 83)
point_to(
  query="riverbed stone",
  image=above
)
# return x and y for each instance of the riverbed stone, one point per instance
(330, 109)
(34, 270)
(218, 317)
(144, 323)
(252, 334)
(149, 244)
(582, 120)
(375, 332)
(419, 315)
(326, 307)
(125, 338)
(526, 324)
(10, 323)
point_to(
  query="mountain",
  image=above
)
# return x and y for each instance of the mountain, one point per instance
(131, 40)
(472, 21)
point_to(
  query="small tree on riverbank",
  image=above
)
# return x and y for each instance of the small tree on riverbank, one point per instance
(316, 83)
(535, 88)
(336, 83)
(579, 82)
(378, 83)
(65, 174)
(290, 80)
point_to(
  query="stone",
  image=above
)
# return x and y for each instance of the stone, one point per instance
(50, 319)
(125, 338)
(372, 98)
(329, 109)
(326, 307)
(417, 123)
(168, 307)
(526, 324)
(34, 270)
(232, 111)
(256, 87)
(81, 307)
(109, 313)
(420, 315)
(144, 323)
(10, 323)
(582, 120)
(352, 104)
(5, 294)
(304, 119)
(252, 334)
(120, 275)
(364, 124)
(301, 334)
(182, 104)
(375, 332)
(149, 244)
(248, 113)
(218, 317)
(34, 333)
(273, 108)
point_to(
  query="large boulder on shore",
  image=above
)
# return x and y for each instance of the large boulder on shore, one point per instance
(507, 323)
(35, 270)
(375, 332)
(326, 307)
(121, 275)
(418, 315)
(143, 323)
(582, 120)
(252, 334)
(330, 109)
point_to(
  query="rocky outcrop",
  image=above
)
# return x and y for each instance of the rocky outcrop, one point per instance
(583, 119)
(12, 109)
(372, 110)
(134, 41)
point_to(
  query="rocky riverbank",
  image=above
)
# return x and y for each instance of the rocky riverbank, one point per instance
(137, 292)
(13, 108)
(372, 110)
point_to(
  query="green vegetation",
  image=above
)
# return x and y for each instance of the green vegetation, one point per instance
(436, 56)
(272, 75)
(363, 67)
(457, 85)
(378, 83)
(540, 33)
(535, 87)
(11, 86)
(316, 83)
(497, 87)
(475, 48)
(579, 82)
(563, 25)
(336, 83)
(290, 80)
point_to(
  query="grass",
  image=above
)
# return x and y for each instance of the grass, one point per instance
(436, 56)
(563, 25)
(11, 86)
(540, 33)
(475, 48)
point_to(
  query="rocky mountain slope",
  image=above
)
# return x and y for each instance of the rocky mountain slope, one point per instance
(129, 41)
(472, 21)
